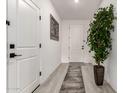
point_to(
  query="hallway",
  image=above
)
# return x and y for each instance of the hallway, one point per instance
(48, 51)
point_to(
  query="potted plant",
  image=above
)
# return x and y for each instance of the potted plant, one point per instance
(99, 39)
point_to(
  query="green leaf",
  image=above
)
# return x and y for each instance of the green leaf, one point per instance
(99, 34)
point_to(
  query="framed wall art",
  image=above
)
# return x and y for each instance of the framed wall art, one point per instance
(54, 29)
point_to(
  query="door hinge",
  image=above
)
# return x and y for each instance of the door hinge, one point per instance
(39, 17)
(7, 22)
(40, 45)
(40, 73)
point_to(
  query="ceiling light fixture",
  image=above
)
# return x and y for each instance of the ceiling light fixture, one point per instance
(76, 1)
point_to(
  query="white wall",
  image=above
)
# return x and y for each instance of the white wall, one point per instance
(65, 39)
(51, 50)
(111, 62)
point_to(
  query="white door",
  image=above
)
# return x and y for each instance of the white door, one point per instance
(76, 42)
(23, 46)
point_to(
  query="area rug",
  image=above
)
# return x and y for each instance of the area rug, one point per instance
(73, 82)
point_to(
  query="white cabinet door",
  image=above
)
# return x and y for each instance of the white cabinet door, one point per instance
(76, 42)
(23, 33)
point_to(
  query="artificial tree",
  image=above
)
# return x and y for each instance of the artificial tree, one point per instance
(99, 37)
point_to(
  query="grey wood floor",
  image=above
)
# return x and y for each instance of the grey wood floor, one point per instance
(56, 82)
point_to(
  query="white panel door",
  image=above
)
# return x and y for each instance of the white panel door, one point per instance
(23, 33)
(76, 42)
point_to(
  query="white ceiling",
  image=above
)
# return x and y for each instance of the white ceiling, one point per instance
(69, 10)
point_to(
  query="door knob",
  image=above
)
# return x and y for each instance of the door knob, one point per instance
(12, 55)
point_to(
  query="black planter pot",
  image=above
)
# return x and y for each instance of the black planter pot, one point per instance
(99, 74)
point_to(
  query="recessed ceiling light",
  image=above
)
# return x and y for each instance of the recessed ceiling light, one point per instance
(76, 1)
